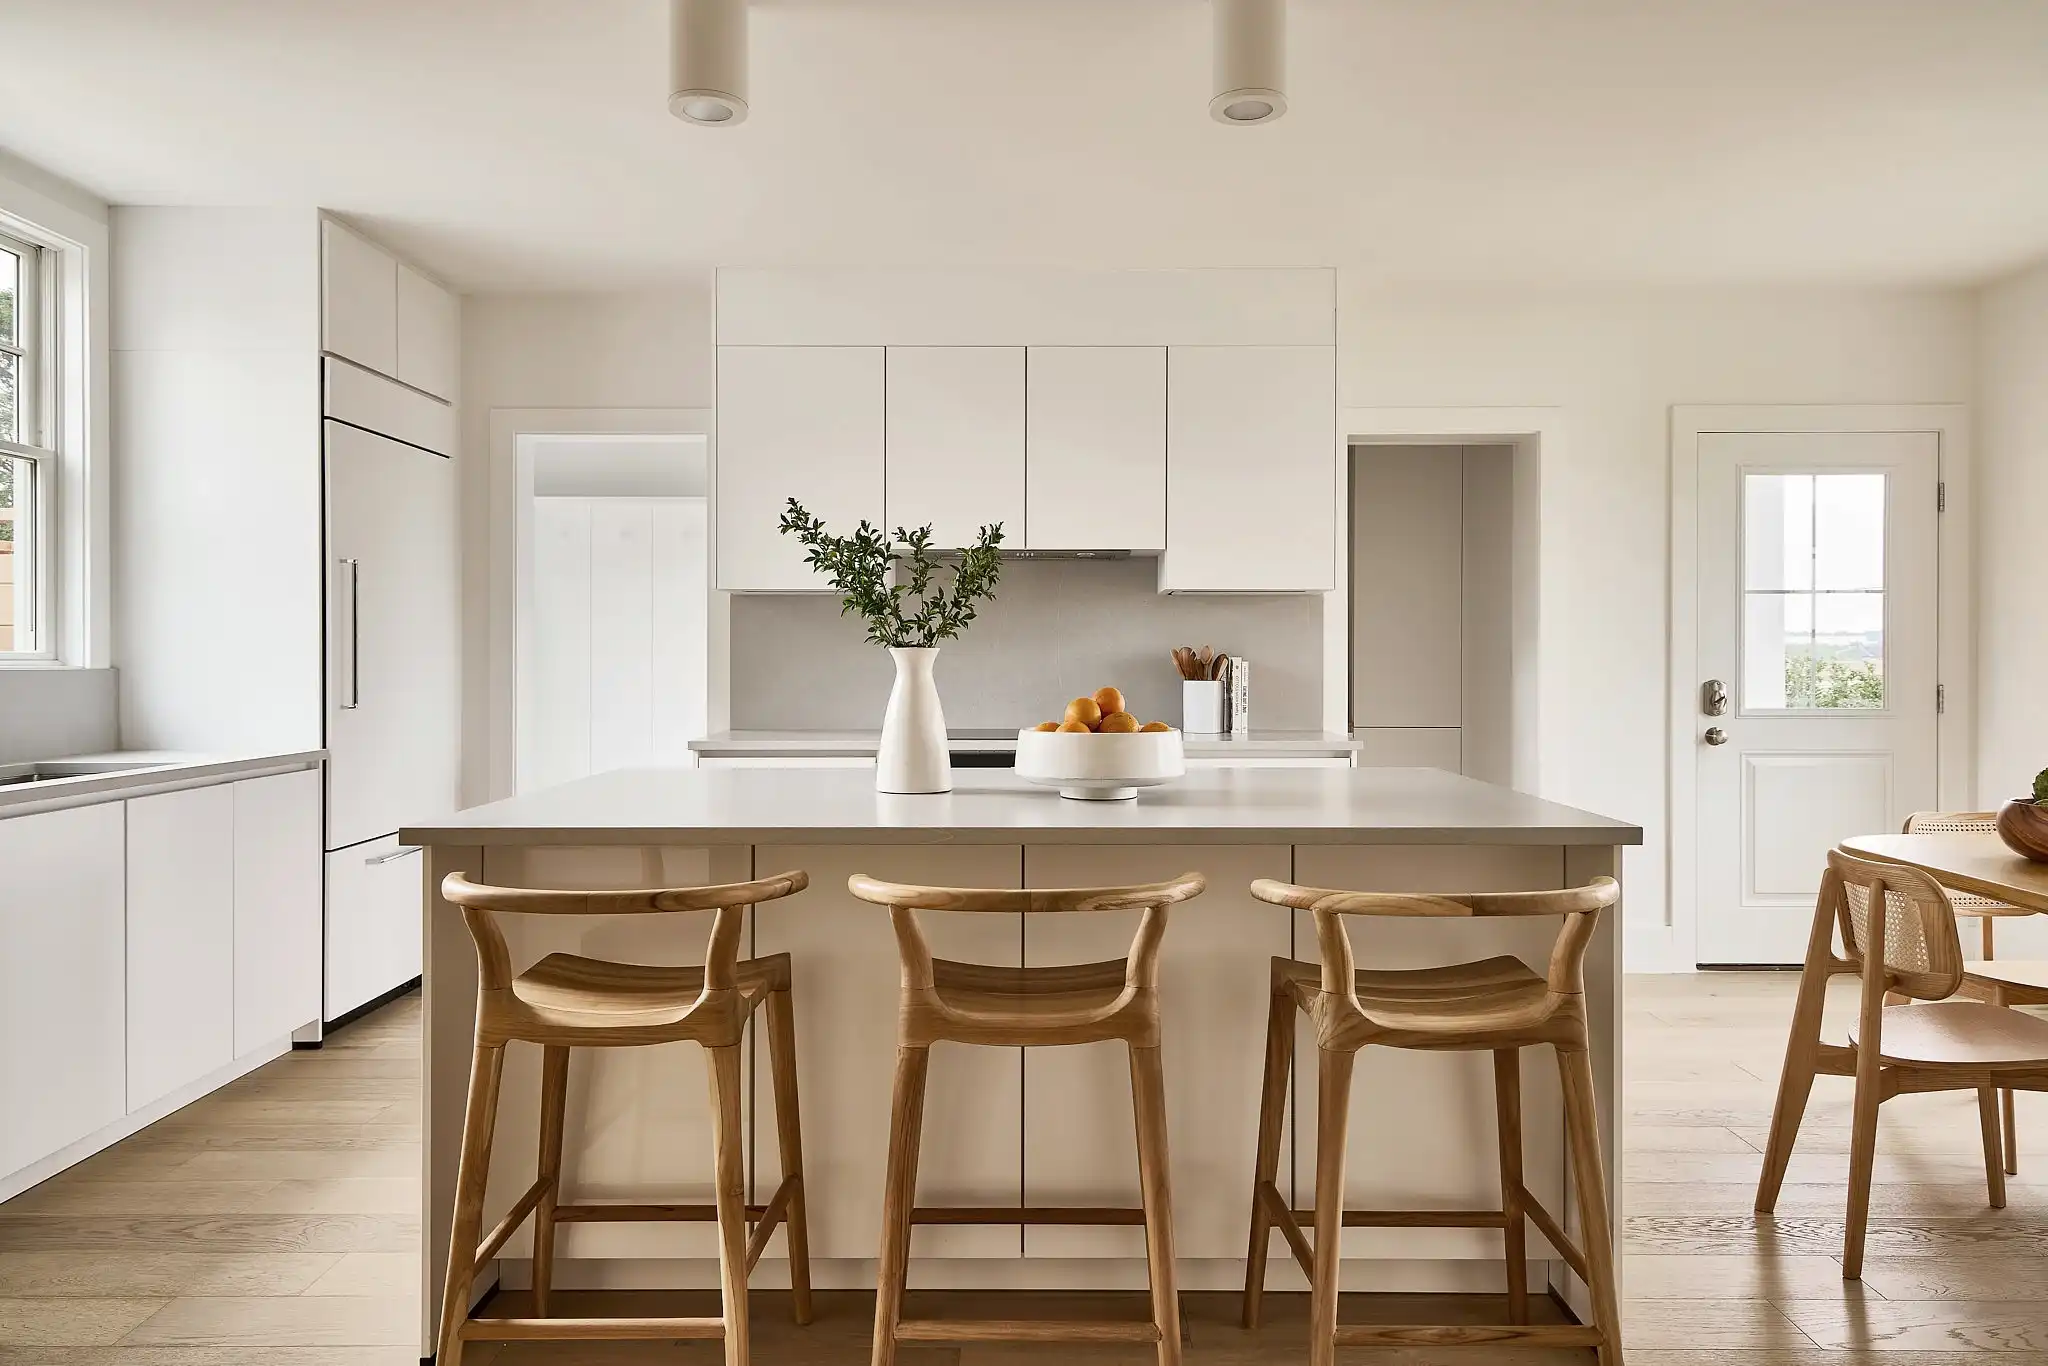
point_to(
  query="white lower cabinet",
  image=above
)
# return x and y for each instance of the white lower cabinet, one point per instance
(181, 939)
(62, 1035)
(277, 825)
(373, 922)
(1080, 1140)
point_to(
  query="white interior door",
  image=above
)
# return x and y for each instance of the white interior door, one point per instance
(1818, 591)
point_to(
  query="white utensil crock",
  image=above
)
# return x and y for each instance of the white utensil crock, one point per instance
(1201, 706)
(912, 756)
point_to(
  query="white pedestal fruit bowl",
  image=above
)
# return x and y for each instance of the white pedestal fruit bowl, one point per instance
(1092, 767)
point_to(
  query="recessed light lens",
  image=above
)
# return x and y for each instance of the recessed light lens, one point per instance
(706, 111)
(1247, 111)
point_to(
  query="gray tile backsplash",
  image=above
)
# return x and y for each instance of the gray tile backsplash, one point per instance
(1057, 629)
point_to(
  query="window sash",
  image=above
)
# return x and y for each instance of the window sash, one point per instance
(35, 501)
(30, 341)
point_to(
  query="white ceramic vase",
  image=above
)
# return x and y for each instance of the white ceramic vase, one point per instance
(912, 756)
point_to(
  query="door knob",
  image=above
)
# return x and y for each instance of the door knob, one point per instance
(1715, 736)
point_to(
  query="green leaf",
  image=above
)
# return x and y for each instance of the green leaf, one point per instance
(859, 568)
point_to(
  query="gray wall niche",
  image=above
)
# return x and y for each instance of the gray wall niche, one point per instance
(1057, 629)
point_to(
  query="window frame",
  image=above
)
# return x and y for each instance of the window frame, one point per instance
(35, 348)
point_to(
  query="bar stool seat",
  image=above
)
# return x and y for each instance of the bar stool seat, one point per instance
(1454, 1002)
(565, 992)
(565, 1002)
(1015, 1006)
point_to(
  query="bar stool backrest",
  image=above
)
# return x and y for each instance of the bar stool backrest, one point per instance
(1142, 966)
(482, 904)
(1906, 913)
(1580, 907)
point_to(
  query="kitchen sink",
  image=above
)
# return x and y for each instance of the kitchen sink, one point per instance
(16, 775)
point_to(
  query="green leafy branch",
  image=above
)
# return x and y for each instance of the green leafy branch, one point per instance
(912, 611)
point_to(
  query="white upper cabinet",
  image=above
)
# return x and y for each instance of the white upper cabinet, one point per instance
(1096, 452)
(801, 422)
(359, 299)
(955, 442)
(181, 939)
(1251, 480)
(429, 334)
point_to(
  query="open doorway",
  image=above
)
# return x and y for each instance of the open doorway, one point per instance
(612, 619)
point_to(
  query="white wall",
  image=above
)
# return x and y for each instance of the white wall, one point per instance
(647, 349)
(2012, 536)
(1614, 361)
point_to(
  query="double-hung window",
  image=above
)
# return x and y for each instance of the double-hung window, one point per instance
(27, 464)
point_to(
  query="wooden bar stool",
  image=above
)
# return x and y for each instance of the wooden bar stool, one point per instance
(1027, 1008)
(564, 1002)
(1498, 1006)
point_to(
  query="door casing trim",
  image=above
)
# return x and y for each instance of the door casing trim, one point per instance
(1674, 946)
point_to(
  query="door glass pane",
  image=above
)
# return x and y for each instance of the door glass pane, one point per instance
(1813, 592)
(10, 277)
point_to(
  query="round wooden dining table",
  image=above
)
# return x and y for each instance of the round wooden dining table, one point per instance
(1968, 862)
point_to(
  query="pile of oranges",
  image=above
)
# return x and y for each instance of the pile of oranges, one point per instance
(1101, 714)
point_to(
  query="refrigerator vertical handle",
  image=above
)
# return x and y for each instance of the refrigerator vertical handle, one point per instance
(351, 671)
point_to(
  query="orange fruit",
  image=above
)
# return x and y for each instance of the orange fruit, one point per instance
(1073, 727)
(1047, 725)
(1118, 723)
(1086, 711)
(1154, 726)
(1110, 700)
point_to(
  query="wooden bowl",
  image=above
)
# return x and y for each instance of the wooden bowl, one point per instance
(1090, 767)
(2023, 825)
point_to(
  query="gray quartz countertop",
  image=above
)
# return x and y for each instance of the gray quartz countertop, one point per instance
(861, 744)
(128, 773)
(994, 806)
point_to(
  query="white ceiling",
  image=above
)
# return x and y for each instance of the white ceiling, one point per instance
(526, 143)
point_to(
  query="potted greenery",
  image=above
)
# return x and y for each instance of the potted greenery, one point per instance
(2023, 822)
(894, 587)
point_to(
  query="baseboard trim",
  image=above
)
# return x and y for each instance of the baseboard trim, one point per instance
(374, 1003)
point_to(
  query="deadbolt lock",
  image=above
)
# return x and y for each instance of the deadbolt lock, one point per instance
(1714, 698)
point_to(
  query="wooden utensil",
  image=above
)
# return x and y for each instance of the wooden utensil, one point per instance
(1218, 665)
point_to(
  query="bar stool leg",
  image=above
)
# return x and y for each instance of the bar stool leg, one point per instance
(1575, 1069)
(1333, 1121)
(1507, 1100)
(1272, 1117)
(729, 1159)
(1148, 1102)
(486, 1068)
(899, 1196)
(790, 1144)
(554, 1096)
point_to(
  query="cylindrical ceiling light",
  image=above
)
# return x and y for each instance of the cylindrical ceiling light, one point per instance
(708, 61)
(1250, 61)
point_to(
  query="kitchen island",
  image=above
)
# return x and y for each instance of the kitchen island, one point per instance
(1015, 1127)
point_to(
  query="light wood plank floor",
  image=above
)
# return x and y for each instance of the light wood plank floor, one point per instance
(275, 1223)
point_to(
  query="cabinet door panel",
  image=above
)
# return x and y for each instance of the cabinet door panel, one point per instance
(278, 900)
(373, 935)
(1095, 473)
(393, 708)
(429, 334)
(1080, 1145)
(1251, 460)
(181, 939)
(63, 1010)
(955, 444)
(847, 978)
(358, 299)
(801, 422)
